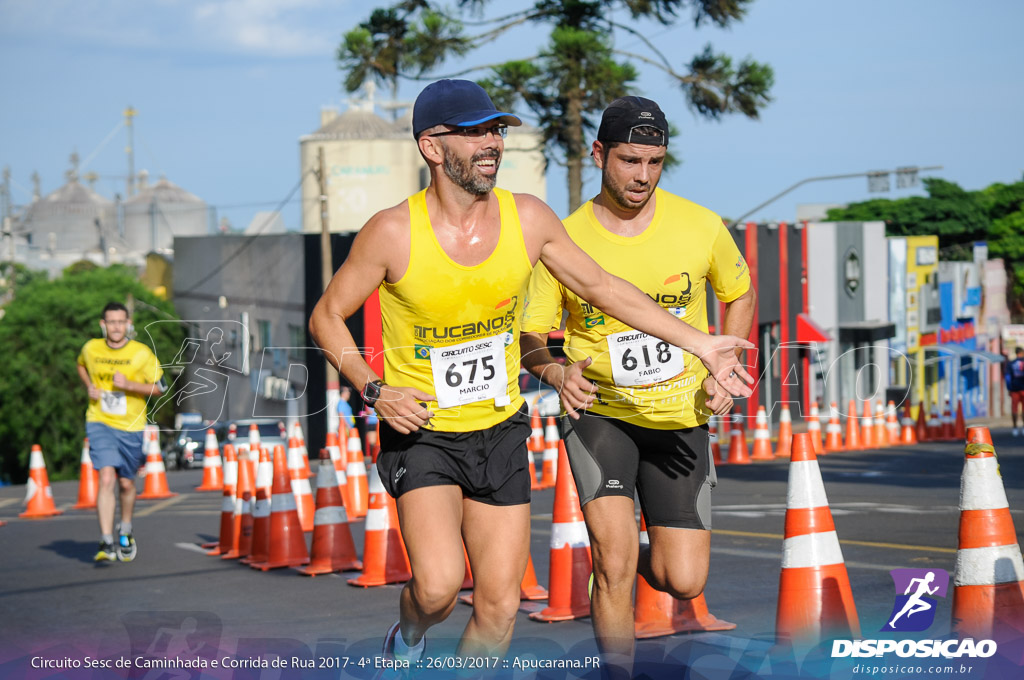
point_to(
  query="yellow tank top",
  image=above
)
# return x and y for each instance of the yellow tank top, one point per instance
(120, 410)
(641, 378)
(452, 330)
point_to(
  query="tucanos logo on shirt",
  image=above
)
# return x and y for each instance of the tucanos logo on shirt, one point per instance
(672, 299)
(505, 318)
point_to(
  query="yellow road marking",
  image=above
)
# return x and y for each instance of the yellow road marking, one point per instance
(869, 544)
(160, 506)
(9, 501)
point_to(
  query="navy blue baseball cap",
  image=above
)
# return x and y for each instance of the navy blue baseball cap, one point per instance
(455, 102)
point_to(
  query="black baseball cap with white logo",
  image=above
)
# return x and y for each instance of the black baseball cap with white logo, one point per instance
(626, 116)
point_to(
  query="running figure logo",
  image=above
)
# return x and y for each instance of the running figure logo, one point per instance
(914, 610)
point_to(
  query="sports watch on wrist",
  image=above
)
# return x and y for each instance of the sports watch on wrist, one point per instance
(371, 393)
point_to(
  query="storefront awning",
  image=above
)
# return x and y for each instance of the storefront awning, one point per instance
(952, 350)
(866, 331)
(808, 331)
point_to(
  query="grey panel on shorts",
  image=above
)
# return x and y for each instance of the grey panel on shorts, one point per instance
(585, 470)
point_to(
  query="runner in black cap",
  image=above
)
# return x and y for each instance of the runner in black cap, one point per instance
(452, 265)
(638, 406)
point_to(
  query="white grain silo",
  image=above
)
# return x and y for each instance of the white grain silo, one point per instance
(370, 164)
(72, 221)
(158, 213)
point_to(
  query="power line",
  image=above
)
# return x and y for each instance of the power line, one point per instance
(251, 239)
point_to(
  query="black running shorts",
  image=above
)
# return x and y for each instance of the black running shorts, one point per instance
(670, 470)
(491, 466)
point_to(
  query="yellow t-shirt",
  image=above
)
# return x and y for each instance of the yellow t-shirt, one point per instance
(650, 382)
(120, 410)
(452, 330)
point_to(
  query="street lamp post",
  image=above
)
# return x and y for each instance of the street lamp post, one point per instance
(878, 180)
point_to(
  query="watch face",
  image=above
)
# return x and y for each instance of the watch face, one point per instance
(371, 393)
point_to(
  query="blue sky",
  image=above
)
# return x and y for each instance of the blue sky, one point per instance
(225, 89)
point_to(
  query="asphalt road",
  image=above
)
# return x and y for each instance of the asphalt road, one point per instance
(894, 508)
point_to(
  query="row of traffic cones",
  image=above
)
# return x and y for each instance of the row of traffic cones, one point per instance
(815, 598)
(39, 494)
(881, 430)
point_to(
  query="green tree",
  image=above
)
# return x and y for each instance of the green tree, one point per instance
(13, 276)
(42, 400)
(573, 77)
(959, 218)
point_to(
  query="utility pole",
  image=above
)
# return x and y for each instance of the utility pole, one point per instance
(129, 114)
(326, 272)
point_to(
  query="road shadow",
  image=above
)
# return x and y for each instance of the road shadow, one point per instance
(82, 551)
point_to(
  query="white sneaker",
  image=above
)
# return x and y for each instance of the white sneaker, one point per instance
(1016, 432)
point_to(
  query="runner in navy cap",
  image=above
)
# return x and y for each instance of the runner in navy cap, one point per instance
(459, 103)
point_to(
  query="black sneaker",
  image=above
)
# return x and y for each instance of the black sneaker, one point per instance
(126, 548)
(106, 553)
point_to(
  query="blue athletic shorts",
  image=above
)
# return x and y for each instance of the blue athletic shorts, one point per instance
(118, 449)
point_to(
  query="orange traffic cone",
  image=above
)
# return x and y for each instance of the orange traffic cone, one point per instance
(959, 426)
(814, 428)
(549, 468)
(339, 464)
(762, 449)
(38, 493)
(989, 572)
(243, 517)
(227, 507)
(921, 426)
(333, 548)
(853, 440)
(243, 520)
(213, 472)
(908, 434)
(786, 433)
(833, 431)
(892, 424)
(935, 425)
(867, 429)
(529, 589)
(947, 423)
(716, 448)
(300, 485)
(297, 433)
(358, 492)
(738, 443)
(881, 433)
(156, 474)
(570, 566)
(287, 542)
(254, 438)
(467, 580)
(536, 431)
(88, 481)
(658, 614)
(261, 507)
(815, 599)
(232, 433)
(384, 557)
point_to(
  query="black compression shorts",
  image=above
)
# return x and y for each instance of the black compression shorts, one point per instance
(491, 466)
(670, 470)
